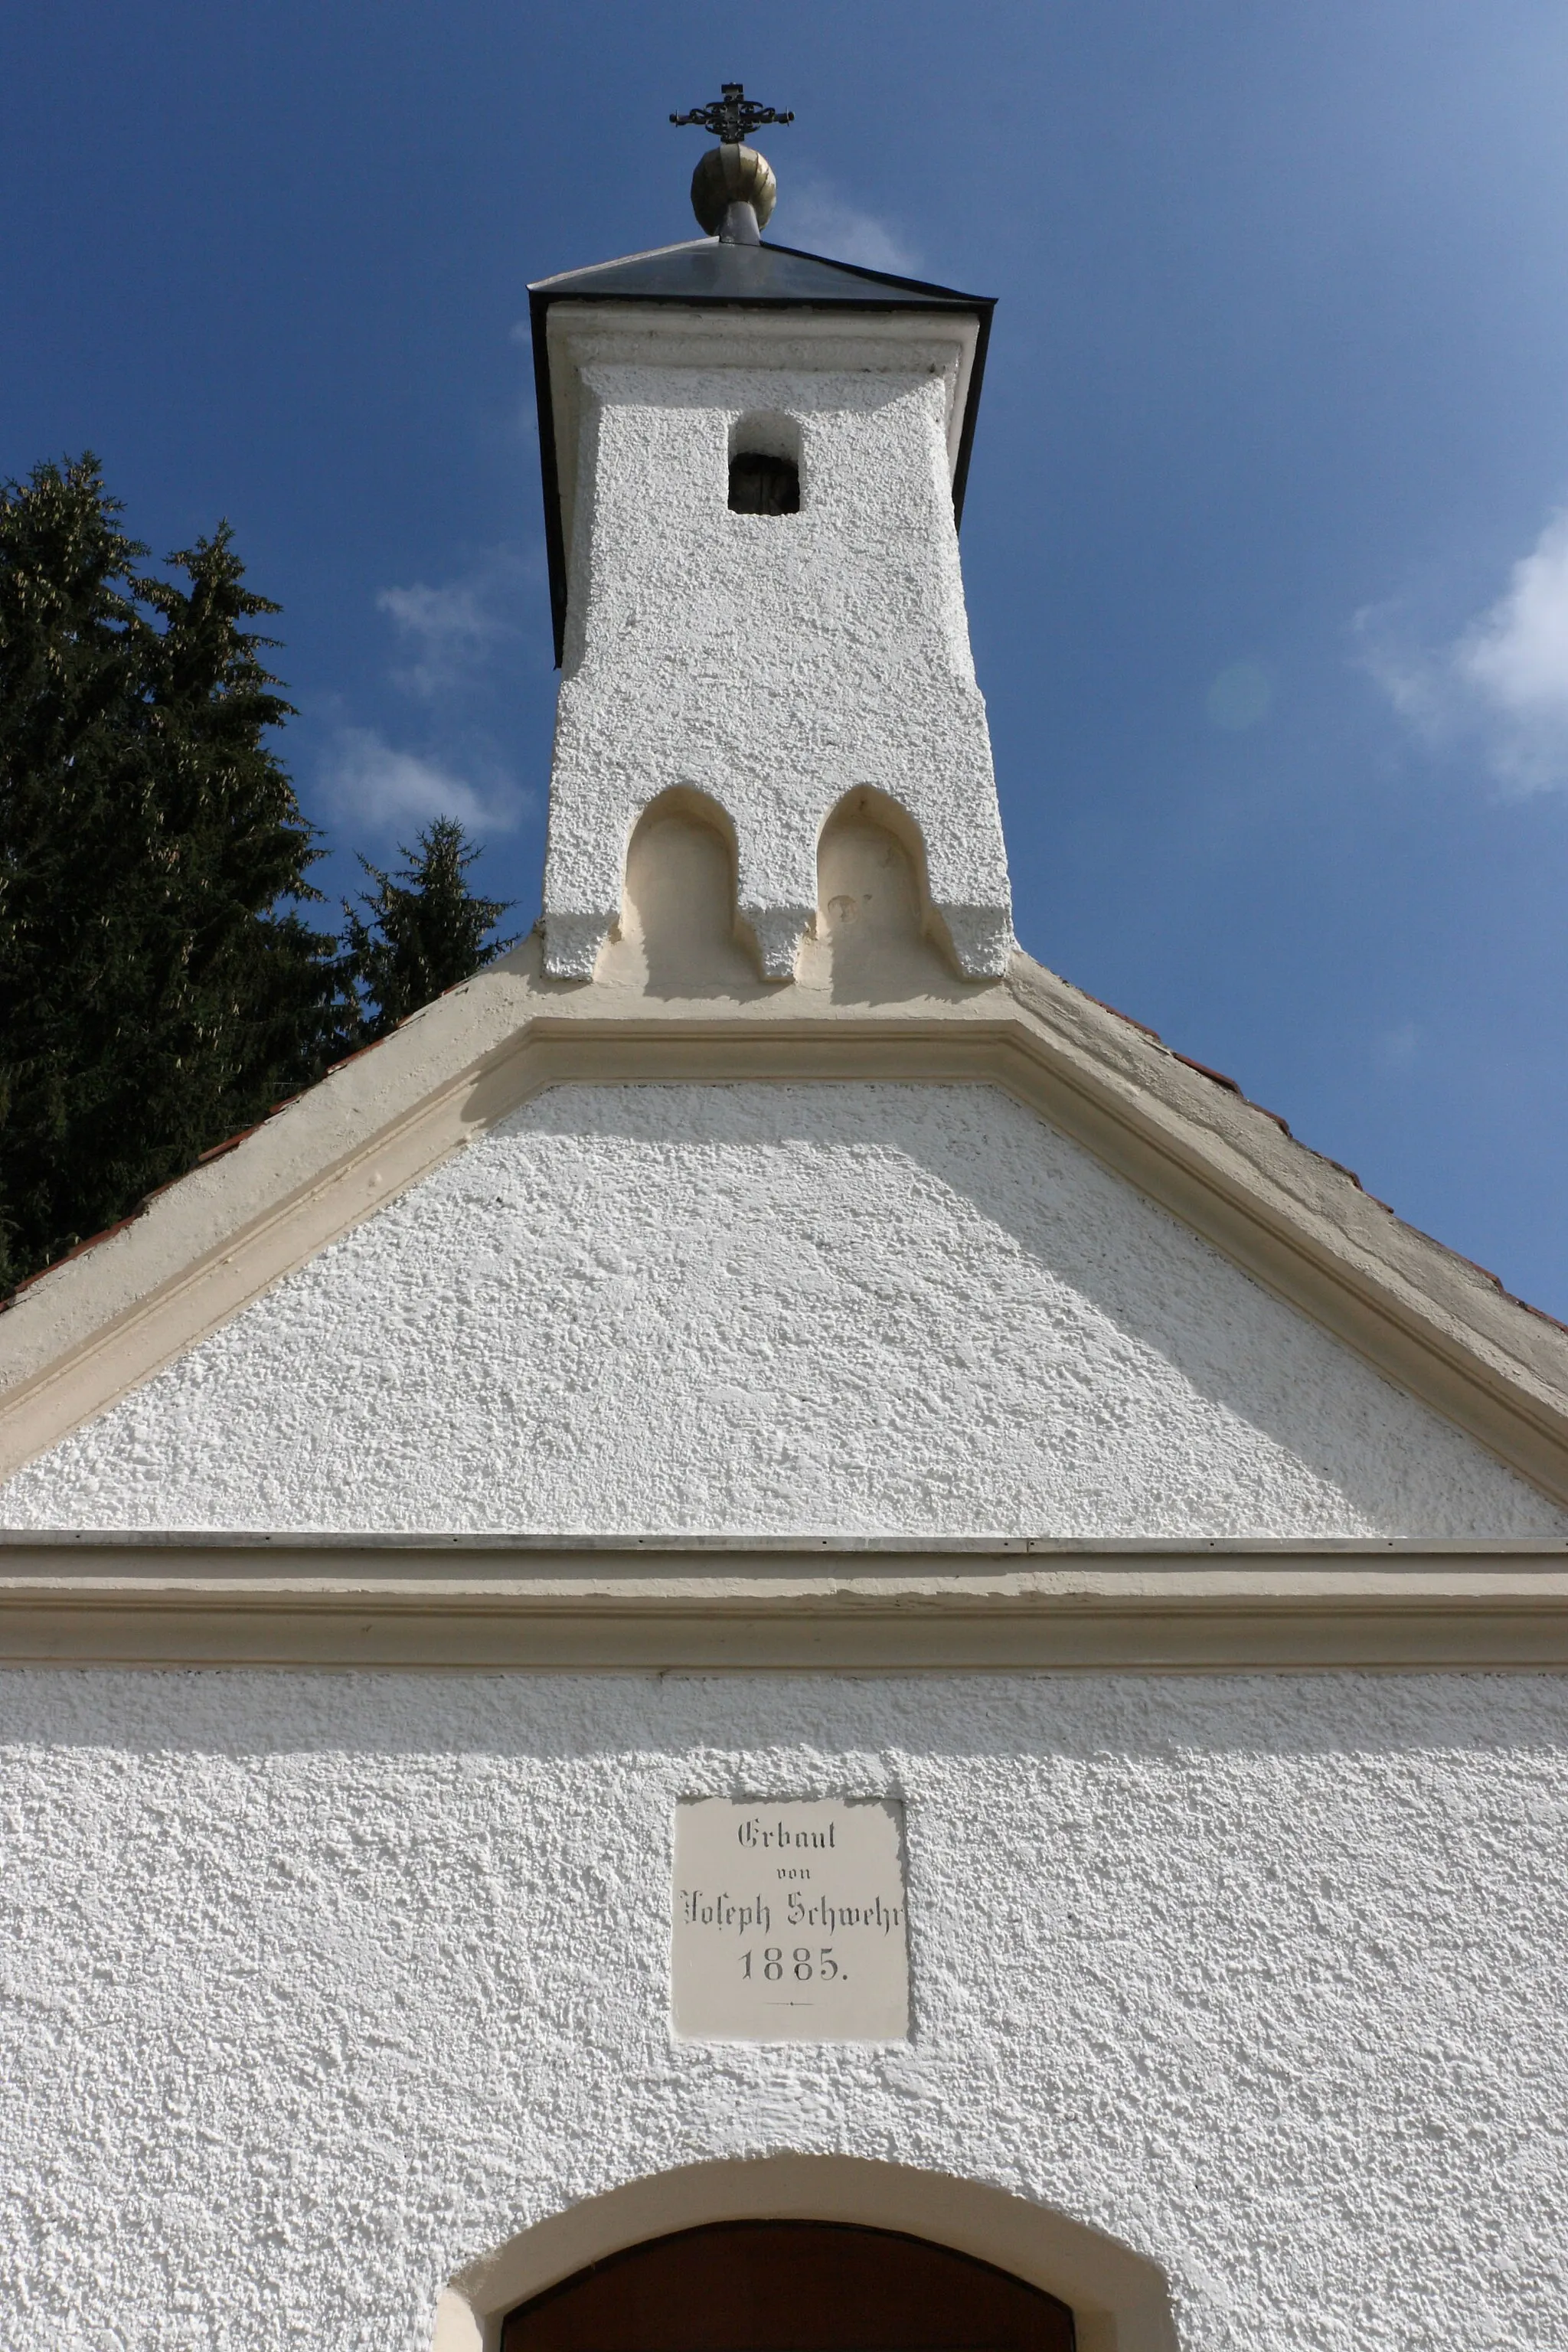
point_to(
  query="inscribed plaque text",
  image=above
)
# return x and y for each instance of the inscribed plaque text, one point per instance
(789, 1921)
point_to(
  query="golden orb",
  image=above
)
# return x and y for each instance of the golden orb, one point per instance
(732, 175)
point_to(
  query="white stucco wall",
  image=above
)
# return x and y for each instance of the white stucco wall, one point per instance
(775, 663)
(774, 1308)
(313, 1988)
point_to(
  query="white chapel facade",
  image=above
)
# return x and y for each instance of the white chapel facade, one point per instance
(768, 1432)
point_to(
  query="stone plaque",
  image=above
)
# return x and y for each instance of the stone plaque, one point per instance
(789, 1921)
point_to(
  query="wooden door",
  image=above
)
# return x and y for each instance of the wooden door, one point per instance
(790, 2286)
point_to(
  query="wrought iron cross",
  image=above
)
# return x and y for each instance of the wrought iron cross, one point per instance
(732, 118)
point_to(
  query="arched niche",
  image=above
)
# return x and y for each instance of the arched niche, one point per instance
(765, 465)
(677, 934)
(1119, 2299)
(874, 916)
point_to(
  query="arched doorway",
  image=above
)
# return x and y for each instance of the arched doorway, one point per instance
(790, 2286)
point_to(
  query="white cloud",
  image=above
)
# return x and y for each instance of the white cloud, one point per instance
(370, 779)
(1504, 678)
(818, 221)
(448, 635)
(1514, 660)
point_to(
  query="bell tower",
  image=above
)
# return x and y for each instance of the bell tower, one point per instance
(754, 462)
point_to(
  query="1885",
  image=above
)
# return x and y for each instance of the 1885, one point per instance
(801, 1965)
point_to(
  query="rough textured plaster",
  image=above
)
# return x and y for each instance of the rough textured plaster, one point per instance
(773, 662)
(774, 1307)
(317, 1987)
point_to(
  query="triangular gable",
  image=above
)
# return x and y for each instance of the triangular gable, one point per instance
(1106, 1372)
(874, 1308)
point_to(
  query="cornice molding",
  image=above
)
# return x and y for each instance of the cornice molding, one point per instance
(564, 1602)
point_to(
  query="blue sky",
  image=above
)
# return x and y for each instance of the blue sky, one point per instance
(1266, 566)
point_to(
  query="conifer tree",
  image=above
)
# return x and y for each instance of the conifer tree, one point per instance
(159, 988)
(425, 929)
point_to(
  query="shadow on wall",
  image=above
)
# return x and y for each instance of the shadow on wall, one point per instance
(1120, 1261)
(680, 935)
